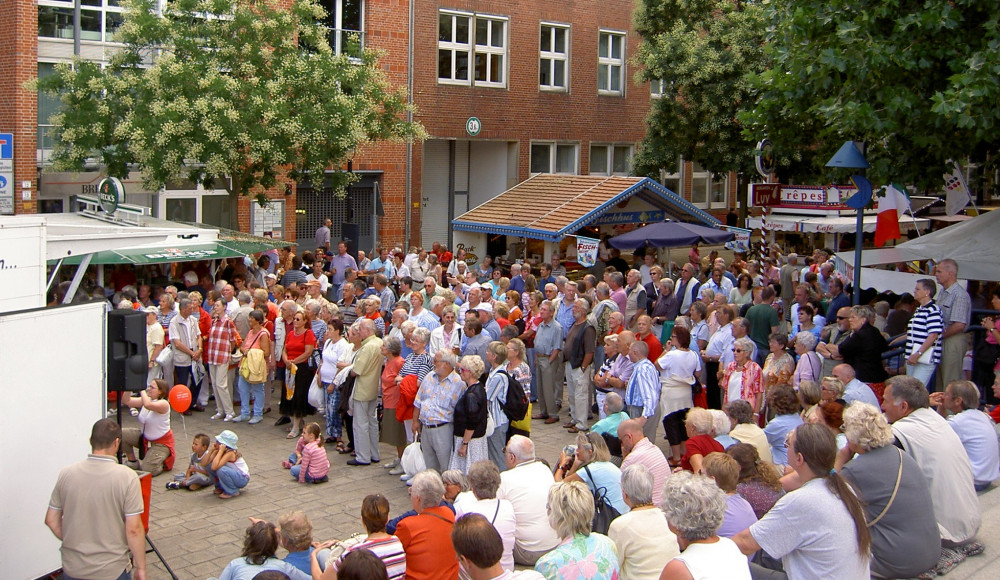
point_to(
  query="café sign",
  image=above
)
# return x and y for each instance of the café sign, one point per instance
(821, 197)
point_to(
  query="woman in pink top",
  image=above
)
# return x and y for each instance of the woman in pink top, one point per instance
(393, 431)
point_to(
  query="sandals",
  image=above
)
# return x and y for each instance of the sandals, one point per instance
(342, 448)
(292, 435)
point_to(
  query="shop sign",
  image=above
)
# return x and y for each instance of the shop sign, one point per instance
(819, 197)
(630, 217)
(110, 192)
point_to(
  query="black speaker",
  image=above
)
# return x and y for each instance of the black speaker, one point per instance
(350, 233)
(128, 360)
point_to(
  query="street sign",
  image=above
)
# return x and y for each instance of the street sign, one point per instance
(7, 173)
(473, 126)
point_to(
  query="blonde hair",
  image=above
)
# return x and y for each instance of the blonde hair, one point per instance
(866, 426)
(571, 508)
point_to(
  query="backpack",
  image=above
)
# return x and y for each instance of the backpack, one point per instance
(515, 404)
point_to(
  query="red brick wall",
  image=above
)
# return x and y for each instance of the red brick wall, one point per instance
(18, 106)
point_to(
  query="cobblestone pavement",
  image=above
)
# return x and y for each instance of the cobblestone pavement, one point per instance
(198, 533)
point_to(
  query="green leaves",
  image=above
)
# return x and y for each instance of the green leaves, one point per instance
(705, 51)
(217, 89)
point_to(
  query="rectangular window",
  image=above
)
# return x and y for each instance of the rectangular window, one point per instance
(610, 159)
(472, 38)
(708, 190)
(554, 158)
(345, 21)
(611, 63)
(99, 19)
(670, 177)
(656, 88)
(553, 57)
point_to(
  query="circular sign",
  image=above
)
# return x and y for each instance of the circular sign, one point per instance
(764, 158)
(110, 192)
(473, 126)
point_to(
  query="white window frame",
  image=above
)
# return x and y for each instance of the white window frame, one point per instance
(488, 50)
(472, 48)
(609, 149)
(105, 9)
(678, 176)
(549, 56)
(553, 147)
(456, 48)
(614, 36)
(657, 88)
(708, 180)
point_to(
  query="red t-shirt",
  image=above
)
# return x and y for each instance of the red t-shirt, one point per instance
(655, 348)
(295, 344)
(700, 445)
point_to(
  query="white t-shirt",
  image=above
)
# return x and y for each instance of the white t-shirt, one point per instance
(721, 559)
(500, 513)
(678, 363)
(332, 352)
(154, 425)
(812, 532)
(526, 487)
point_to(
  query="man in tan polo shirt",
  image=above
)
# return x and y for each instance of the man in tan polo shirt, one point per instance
(96, 511)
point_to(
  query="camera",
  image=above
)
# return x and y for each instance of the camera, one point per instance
(570, 451)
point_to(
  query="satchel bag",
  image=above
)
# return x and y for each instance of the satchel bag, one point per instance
(253, 366)
(604, 512)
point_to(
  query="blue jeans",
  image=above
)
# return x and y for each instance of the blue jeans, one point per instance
(248, 390)
(229, 479)
(534, 376)
(334, 424)
(297, 468)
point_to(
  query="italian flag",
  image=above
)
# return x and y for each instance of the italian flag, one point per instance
(891, 206)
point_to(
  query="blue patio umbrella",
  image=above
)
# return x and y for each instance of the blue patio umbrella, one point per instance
(670, 234)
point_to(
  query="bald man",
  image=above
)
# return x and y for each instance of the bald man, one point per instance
(640, 450)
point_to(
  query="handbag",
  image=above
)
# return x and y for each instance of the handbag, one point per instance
(346, 390)
(491, 425)
(604, 512)
(317, 394)
(165, 356)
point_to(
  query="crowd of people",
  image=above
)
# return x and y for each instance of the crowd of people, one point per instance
(794, 448)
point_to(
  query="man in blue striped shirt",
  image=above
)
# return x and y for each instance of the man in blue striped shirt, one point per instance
(642, 394)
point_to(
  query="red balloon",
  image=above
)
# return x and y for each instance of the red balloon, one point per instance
(180, 398)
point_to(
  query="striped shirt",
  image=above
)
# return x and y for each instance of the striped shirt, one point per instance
(417, 364)
(496, 393)
(925, 321)
(389, 550)
(643, 390)
(955, 305)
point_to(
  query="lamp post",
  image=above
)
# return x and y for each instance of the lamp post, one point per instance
(850, 157)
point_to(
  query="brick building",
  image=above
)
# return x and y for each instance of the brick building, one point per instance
(504, 90)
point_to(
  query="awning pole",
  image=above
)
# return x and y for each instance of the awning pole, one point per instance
(77, 278)
(55, 273)
(100, 275)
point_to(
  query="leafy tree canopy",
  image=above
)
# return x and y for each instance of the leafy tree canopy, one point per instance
(705, 52)
(916, 80)
(226, 93)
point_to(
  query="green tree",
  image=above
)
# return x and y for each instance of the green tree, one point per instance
(226, 93)
(704, 52)
(916, 80)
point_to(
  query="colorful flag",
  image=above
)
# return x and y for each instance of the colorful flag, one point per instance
(892, 204)
(586, 251)
(958, 192)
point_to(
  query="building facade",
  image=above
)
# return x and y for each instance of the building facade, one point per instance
(504, 90)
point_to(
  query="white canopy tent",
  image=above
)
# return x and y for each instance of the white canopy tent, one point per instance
(973, 244)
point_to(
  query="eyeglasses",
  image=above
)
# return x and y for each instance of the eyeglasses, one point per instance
(737, 350)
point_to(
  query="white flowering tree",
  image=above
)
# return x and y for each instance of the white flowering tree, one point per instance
(232, 94)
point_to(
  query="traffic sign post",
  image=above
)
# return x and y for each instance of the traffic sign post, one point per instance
(6, 174)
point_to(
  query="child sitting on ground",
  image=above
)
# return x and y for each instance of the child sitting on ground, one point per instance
(196, 476)
(309, 463)
(226, 466)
